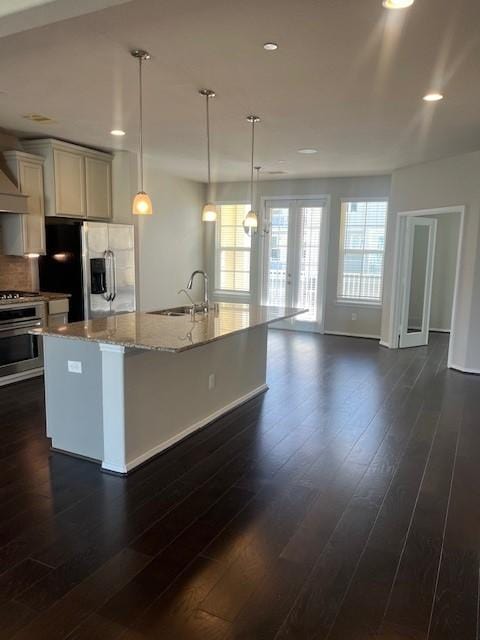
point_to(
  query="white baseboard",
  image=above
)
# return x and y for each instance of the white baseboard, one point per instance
(452, 365)
(352, 335)
(23, 375)
(183, 434)
(387, 345)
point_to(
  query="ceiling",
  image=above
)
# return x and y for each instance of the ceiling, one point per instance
(347, 79)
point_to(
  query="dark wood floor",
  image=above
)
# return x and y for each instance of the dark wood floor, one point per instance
(343, 504)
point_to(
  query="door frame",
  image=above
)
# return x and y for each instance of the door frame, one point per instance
(398, 261)
(322, 263)
(417, 338)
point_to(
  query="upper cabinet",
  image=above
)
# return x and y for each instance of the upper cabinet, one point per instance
(98, 173)
(24, 234)
(69, 182)
(78, 180)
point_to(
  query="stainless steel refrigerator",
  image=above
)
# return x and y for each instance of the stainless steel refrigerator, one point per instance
(108, 252)
(94, 262)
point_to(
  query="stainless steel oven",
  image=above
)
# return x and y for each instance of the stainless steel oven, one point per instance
(20, 351)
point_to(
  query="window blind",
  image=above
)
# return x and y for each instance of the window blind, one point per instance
(362, 247)
(233, 248)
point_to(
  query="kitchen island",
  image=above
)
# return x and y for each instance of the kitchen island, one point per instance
(121, 389)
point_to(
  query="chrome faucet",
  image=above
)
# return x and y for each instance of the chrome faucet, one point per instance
(205, 287)
(193, 306)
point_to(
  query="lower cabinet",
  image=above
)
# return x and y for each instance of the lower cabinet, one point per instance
(58, 312)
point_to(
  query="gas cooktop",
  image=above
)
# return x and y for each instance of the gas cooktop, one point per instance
(14, 295)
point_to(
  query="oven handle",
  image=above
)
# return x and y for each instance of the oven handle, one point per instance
(21, 328)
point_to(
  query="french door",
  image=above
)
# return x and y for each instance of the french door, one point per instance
(294, 259)
(417, 279)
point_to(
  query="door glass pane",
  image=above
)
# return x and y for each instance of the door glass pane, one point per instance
(277, 257)
(309, 247)
(418, 278)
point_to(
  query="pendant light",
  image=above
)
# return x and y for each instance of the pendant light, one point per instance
(250, 223)
(142, 205)
(209, 211)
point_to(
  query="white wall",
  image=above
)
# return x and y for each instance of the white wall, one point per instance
(170, 242)
(443, 183)
(338, 316)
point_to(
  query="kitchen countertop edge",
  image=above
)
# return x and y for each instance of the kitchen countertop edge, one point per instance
(130, 344)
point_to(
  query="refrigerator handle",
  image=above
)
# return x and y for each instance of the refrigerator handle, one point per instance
(107, 295)
(114, 275)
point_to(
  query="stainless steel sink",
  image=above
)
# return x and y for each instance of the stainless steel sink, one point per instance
(175, 311)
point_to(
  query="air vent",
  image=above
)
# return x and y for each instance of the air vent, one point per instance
(276, 173)
(37, 117)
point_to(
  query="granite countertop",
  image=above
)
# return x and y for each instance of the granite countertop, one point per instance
(171, 333)
(40, 296)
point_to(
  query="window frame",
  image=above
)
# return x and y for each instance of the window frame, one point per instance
(217, 290)
(355, 302)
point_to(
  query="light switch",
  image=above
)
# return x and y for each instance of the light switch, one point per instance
(74, 366)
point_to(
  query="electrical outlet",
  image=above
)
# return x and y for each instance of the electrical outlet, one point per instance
(74, 366)
(354, 316)
(211, 381)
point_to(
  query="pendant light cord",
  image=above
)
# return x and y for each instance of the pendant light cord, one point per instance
(140, 105)
(256, 187)
(207, 98)
(251, 171)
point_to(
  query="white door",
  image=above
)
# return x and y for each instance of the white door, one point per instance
(294, 259)
(417, 281)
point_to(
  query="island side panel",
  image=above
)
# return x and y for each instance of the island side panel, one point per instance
(74, 400)
(167, 395)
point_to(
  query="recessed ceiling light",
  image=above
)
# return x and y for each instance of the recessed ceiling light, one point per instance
(433, 97)
(397, 4)
(270, 46)
(117, 132)
(308, 152)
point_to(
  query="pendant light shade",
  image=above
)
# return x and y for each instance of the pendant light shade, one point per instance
(142, 204)
(250, 223)
(209, 211)
(251, 220)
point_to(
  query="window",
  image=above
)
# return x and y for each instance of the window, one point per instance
(362, 247)
(233, 250)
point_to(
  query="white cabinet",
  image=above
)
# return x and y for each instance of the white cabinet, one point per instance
(69, 177)
(25, 233)
(99, 187)
(58, 312)
(78, 180)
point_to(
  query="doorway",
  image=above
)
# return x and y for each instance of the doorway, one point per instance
(294, 259)
(429, 250)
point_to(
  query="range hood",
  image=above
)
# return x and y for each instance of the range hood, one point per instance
(11, 200)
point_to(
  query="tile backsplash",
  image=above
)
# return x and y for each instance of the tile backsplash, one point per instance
(18, 273)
